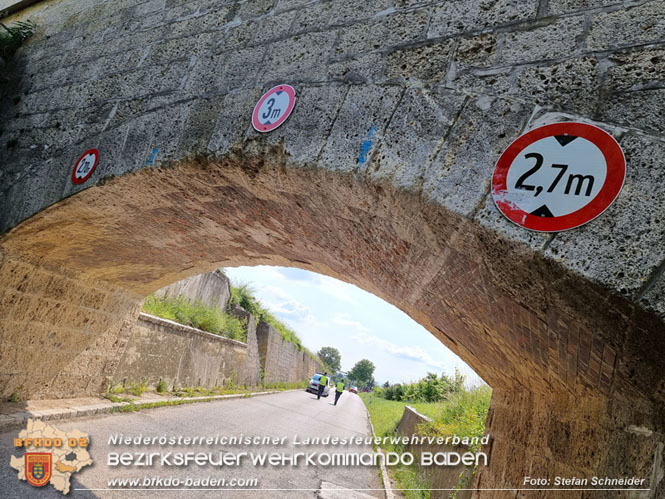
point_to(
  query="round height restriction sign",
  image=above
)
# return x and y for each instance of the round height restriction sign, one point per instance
(85, 166)
(557, 177)
(273, 108)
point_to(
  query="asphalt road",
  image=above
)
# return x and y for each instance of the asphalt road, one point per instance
(288, 414)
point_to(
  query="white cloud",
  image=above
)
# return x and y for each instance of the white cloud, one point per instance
(413, 353)
(292, 309)
(343, 320)
(336, 289)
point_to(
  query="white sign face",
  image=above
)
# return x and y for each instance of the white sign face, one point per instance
(273, 108)
(85, 166)
(557, 177)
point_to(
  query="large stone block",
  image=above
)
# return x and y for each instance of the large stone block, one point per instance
(428, 63)
(296, 57)
(387, 31)
(620, 246)
(572, 85)
(556, 7)
(639, 108)
(360, 122)
(179, 49)
(340, 12)
(553, 41)
(636, 25)
(419, 127)
(273, 27)
(452, 18)
(459, 177)
(476, 51)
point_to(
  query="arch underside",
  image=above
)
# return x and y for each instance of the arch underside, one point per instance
(516, 318)
(571, 364)
(567, 328)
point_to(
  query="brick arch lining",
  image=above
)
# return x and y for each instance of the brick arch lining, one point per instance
(563, 355)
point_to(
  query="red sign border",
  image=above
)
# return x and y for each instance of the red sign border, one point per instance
(79, 181)
(616, 176)
(50, 471)
(255, 114)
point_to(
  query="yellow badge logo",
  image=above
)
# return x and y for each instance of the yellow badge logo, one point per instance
(51, 455)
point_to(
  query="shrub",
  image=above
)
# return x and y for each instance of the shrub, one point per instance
(136, 388)
(431, 388)
(161, 386)
(464, 413)
(243, 295)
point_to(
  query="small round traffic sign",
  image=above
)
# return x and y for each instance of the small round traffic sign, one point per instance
(85, 166)
(558, 177)
(273, 108)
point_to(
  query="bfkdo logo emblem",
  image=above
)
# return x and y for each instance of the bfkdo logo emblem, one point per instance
(38, 466)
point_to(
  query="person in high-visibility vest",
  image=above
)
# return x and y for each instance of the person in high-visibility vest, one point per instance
(339, 389)
(323, 382)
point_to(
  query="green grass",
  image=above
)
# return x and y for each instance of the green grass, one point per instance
(196, 315)
(283, 385)
(117, 392)
(463, 414)
(386, 414)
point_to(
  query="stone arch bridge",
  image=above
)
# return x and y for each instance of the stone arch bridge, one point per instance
(380, 177)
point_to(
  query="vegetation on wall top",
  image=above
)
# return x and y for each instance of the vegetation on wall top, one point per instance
(197, 315)
(243, 296)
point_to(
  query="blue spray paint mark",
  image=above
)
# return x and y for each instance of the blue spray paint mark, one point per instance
(152, 157)
(366, 146)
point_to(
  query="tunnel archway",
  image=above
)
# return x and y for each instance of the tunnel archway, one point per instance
(380, 177)
(76, 275)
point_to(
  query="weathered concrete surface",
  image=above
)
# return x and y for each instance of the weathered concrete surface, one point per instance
(442, 477)
(182, 356)
(572, 319)
(212, 289)
(250, 371)
(158, 349)
(281, 360)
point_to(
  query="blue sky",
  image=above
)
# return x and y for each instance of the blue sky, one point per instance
(327, 312)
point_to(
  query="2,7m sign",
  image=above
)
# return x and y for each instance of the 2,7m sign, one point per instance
(558, 177)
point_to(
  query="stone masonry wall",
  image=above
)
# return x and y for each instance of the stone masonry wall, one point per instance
(159, 349)
(212, 289)
(442, 477)
(281, 360)
(251, 368)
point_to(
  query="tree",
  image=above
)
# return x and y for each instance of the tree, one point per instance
(331, 357)
(362, 372)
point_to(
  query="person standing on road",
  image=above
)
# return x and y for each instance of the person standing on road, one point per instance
(323, 382)
(339, 390)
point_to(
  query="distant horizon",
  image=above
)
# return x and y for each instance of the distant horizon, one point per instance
(324, 311)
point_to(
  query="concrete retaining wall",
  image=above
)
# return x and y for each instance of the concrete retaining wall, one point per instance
(212, 289)
(181, 355)
(281, 360)
(443, 477)
(159, 349)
